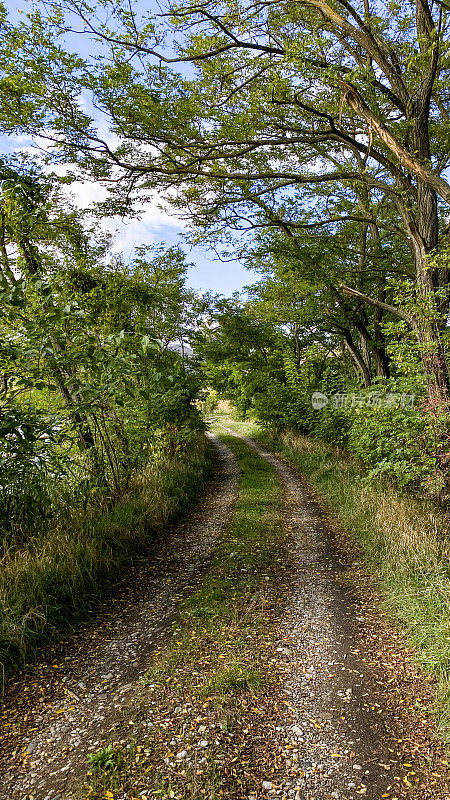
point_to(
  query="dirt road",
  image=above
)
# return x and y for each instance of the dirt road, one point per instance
(347, 734)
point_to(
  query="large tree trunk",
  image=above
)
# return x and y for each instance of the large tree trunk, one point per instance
(428, 323)
(428, 328)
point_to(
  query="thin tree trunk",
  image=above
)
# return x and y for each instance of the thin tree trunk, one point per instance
(380, 356)
(358, 359)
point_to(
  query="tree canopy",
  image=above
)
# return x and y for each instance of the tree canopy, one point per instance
(308, 138)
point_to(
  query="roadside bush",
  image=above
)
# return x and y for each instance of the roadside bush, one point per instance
(391, 441)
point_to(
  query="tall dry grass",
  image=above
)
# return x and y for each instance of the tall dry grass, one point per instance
(61, 571)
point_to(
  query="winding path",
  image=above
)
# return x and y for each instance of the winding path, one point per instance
(342, 741)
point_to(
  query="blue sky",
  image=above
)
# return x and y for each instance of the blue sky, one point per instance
(154, 225)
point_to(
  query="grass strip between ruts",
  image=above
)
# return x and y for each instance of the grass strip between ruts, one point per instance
(209, 694)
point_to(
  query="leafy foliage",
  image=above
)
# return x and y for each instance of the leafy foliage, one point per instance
(271, 371)
(90, 386)
(98, 421)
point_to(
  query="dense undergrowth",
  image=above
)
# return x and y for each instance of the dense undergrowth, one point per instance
(281, 378)
(60, 572)
(101, 441)
(214, 677)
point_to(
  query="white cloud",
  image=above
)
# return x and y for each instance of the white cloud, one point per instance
(152, 222)
(150, 227)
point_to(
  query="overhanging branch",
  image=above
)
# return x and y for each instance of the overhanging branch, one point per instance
(355, 294)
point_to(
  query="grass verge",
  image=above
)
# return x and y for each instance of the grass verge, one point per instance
(59, 573)
(209, 701)
(404, 541)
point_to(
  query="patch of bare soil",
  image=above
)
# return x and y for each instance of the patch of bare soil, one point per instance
(81, 692)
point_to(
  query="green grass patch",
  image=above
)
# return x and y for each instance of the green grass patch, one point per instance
(245, 556)
(107, 765)
(219, 421)
(234, 679)
(59, 573)
(403, 540)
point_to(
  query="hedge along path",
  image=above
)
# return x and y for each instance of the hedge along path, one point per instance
(82, 694)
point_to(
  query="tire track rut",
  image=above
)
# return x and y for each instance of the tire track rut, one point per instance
(344, 740)
(60, 710)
